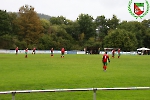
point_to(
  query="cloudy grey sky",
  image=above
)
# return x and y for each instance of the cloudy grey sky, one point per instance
(71, 9)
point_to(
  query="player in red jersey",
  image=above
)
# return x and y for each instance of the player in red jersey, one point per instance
(52, 52)
(33, 52)
(118, 53)
(26, 52)
(62, 52)
(113, 53)
(105, 58)
(16, 50)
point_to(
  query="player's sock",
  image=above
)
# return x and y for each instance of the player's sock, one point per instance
(105, 67)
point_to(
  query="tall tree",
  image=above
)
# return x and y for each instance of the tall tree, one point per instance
(101, 27)
(5, 24)
(58, 20)
(86, 25)
(121, 38)
(6, 39)
(72, 28)
(146, 38)
(13, 22)
(46, 26)
(146, 23)
(113, 22)
(30, 26)
(136, 28)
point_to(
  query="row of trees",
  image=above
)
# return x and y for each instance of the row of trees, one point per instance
(26, 29)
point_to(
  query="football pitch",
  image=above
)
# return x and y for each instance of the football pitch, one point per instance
(41, 72)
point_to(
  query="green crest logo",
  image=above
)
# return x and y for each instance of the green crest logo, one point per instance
(139, 11)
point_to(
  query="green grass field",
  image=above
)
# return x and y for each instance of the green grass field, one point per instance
(40, 71)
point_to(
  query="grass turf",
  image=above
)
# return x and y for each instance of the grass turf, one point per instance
(40, 71)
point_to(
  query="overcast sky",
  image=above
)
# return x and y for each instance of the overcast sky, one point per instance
(71, 9)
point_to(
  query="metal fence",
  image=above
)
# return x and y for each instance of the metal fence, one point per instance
(68, 90)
